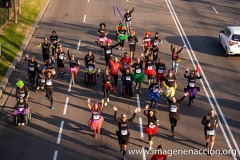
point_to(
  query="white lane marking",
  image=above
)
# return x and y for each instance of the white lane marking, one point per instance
(88, 0)
(84, 19)
(70, 85)
(55, 155)
(65, 106)
(141, 127)
(78, 46)
(214, 98)
(138, 103)
(143, 153)
(215, 9)
(127, 0)
(60, 132)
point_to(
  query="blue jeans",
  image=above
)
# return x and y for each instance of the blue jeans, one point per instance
(175, 66)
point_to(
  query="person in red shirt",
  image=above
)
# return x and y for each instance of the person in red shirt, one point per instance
(159, 155)
(125, 62)
(114, 67)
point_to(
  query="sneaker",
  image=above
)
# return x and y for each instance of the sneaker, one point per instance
(150, 148)
(38, 88)
(107, 99)
(121, 149)
(139, 91)
(122, 49)
(123, 158)
(45, 97)
(173, 137)
(19, 124)
(95, 136)
(51, 107)
(105, 104)
(119, 48)
(136, 88)
(22, 124)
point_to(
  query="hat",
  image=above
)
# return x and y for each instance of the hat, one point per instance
(108, 41)
(20, 83)
(148, 33)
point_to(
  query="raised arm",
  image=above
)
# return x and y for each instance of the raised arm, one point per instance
(116, 45)
(132, 10)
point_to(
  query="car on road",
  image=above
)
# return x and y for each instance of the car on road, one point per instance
(229, 38)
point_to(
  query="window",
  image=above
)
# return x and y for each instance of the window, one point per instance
(236, 37)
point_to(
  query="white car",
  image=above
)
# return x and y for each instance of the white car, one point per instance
(229, 38)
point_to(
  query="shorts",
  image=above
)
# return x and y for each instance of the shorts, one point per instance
(60, 64)
(132, 47)
(49, 93)
(45, 57)
(123, 140)
(173, 121)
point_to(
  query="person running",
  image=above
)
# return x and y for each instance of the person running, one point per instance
(125, 62)
(21, 111)
(32, 70)
(132, 40)
(149, 68)
(73, 67)
(160, 69)
(175, 57)
(21, 91)
(127, 79)
(170, 83)
(49, 88)
(151, 128)
(154, 93)
(61, 56)
(41, 79)
(49, 66)
(123, 130)
(45, 49)
(174, 106)
(147, 42)
(89, 57)
(210, 123)
(114, 67)
(156, 42)
(128, 19)
(108, 51)
(106, 85)
(96, 120)
(191, 88)
(54, 41)
(102, 33)
(159, 155)
(121, 35)
(138, 74)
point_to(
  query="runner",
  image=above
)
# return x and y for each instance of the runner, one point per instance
(175, 57)
(45, 49)
(32, 70)
(102, 33)
(138, 74)
(49, 66)
(159, 155)
(147, 42)
(108, 51)
(149, 69)
(73, 67)
(151, 128)
(127, 79)
(21, 91)
(210, 123)
(49, 88)
(54, 41)
(170, 83)
(89, 57)
(154, 93)
(125, 62)
(132, 39)
(128, 19)
(191, 88)
(156, 41)
(161, 69)
(106, 85)
(121, 35)
(41, 79)
(96, 120)
(123, 130)
(114, 67)
(61, 56)
(174, 106)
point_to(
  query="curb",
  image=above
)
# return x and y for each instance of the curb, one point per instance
(12, 67)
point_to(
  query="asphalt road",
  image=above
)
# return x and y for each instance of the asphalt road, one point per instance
(39, 140)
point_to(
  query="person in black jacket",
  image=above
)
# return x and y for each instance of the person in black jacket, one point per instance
(132, 39)
(49, 88)
(151, 127)
(210, 123)
(32, 70)
(128, 19)
(123, 130)
(174, 106)
(127, 80)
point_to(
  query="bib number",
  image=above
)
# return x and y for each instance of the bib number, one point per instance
(173, 108)
(124, 132)
(20, 109)
(61, 57)
(138, 70)
(42, 80)
(96, 117)
(49, 83)
(128, 78)
(211, 133)
(191, 84)
(31, 68)
(150, 67)
(108, 51)
(160, 71)
(90, 68)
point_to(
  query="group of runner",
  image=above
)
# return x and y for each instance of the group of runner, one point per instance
(160, 81)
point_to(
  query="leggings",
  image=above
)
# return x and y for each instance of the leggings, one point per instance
(31, 76)
(106, 91)
(115, 77)
(122, 43)
(150, 137)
